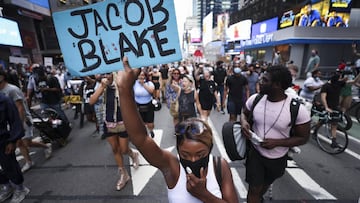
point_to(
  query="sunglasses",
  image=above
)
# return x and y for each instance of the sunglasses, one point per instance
(190, 128)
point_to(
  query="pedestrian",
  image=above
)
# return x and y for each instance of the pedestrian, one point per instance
(267, 160)
(155, 77)
(17, 96)
(313, 63)
(207, 94)
(143, 91)
(311, 86)
(276, 57)
(114, 128)
(164, 70)
(11, 130)
(51, 93)
(190, 176)
(87, 88)
(219, 78)
(236, 88)
(99, 108)
(171, 92)
(188, 99)
(253, 79)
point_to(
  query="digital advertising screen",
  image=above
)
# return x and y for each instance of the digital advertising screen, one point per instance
(239, 31)
(264, 27)
(9, 33)
(323, 13)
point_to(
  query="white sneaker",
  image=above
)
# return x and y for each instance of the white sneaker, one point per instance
(27, 166)
(19, 195)
(48, 150)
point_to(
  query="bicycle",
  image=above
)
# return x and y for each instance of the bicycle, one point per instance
(322, 131)
(355, 107)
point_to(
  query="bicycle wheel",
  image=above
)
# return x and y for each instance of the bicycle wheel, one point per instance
(357, 114)
(324, 139)
(346, 122)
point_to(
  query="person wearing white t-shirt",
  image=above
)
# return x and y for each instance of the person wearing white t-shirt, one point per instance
(311, 86)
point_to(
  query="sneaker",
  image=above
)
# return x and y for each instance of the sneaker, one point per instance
(19, 195)
(222, 112)
(135, 160)
(27, 166)
(48, 150)
(103, 136)
(5, 192)
(334, 144)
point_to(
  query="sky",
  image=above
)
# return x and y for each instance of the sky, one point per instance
(183, 9)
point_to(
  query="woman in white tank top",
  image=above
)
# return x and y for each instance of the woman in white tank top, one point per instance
(190, 176)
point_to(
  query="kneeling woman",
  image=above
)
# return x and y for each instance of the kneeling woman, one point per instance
(190, 176)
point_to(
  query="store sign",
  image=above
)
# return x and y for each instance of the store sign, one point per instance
(260, 39)
(264, 27)
(101, 34)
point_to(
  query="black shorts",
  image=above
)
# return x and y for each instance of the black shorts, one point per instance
(89, 109)
(148, 114)
(234, 108)
(157, 85)
(263, 171)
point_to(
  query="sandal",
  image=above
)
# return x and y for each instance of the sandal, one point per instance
(124, 178)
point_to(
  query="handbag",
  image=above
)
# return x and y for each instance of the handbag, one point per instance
(115, 127)
(174, 108)
(144, 107)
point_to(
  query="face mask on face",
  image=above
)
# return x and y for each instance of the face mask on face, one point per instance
(237, 70)
(195, 166)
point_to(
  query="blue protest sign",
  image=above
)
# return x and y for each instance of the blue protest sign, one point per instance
(94, 38)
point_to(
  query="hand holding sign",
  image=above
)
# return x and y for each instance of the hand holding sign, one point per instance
(101, 34)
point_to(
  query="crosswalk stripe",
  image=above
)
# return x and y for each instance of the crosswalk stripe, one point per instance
(306, 182)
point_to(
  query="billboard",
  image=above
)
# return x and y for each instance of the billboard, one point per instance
(222, 25)
(207, 28)
(324, 13)
(264, 27)
(38, 6)
(9, 33)
(239, 31)
(101, 34)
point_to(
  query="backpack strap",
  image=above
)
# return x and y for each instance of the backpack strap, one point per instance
(251, 116)
(218, 172)
(294, 110)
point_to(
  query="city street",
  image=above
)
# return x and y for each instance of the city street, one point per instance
(85, 171)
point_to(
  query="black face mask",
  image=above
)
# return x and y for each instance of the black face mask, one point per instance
(195, 166)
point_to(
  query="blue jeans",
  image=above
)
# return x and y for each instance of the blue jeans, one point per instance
(57, 108)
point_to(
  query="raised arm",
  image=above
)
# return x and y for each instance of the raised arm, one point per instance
(135, 126)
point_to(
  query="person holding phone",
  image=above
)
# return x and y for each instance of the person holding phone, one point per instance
(194, 144)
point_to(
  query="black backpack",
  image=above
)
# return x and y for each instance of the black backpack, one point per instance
(236, 145)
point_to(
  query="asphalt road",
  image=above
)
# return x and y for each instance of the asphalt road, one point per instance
(85, 171)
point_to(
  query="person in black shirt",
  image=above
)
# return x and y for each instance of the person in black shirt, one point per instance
(49, 87)
(164, 70)
(219, 77)
(235, 86)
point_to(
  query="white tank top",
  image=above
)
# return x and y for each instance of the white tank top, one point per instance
(179, 194)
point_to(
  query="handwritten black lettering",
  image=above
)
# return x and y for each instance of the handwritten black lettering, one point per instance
(140, 40)
(107, 61)
(90, 55)
(85, 25)
(160, 42)
(123, 39)
(98, 23)
(142, 15)
(117, 14)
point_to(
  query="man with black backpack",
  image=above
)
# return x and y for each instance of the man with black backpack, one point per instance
(271, 122)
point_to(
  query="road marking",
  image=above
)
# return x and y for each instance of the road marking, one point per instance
(141, 176)
(239, 185)
(306, 182)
